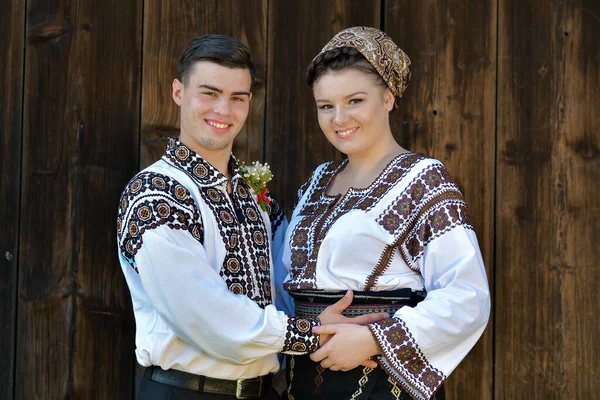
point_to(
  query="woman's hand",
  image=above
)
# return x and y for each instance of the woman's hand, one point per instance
(348, 347)
(333, 315)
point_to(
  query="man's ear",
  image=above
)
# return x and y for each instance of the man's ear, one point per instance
(177, 91)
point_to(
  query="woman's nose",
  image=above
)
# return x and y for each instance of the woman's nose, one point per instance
(341, 116)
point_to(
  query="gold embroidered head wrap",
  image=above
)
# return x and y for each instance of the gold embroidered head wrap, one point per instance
(379, 49)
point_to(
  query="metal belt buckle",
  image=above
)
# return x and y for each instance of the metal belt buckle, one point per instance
(239, 389)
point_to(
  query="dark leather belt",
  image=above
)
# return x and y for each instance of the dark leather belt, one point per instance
(240, 388)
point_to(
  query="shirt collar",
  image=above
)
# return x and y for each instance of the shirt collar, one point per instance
(187, 160)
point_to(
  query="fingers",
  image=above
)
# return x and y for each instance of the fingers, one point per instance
(369, 363)
(324, 339)
(325, 330)
(369, 318)
(333, 367)
(343, 303)
(319, 355)
(328, 363)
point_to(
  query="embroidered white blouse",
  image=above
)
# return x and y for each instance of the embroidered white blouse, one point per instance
(198, 264)
(409, 229)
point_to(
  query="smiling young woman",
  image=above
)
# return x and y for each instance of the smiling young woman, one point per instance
(389, 224)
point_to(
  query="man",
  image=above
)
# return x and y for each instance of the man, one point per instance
(196, 250)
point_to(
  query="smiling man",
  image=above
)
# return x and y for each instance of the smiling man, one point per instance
(200, 256)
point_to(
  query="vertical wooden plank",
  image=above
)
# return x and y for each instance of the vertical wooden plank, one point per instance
(108, 140)
(297, 32)
(168, 28)
(80, 148)
(11, 74)
(46, 284)
(549, 212)
(448, 112)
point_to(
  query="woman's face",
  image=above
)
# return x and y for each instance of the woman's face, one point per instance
(353, 111)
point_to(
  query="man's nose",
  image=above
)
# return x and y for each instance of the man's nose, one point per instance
(222, 106)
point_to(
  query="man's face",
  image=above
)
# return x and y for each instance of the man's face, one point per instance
(214, 106)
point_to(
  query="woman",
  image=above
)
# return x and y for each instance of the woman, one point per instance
(390, 225)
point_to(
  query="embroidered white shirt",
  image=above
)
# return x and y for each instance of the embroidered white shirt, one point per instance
(199, 267)
(409, 229)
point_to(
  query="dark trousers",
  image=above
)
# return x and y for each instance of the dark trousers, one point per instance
(151, 390)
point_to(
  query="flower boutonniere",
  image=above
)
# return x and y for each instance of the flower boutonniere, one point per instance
(257, 175)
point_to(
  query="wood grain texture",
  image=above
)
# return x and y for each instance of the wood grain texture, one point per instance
(548, 208)
(448, 112)
(75, 333)
(11, 74)
(169, 27)
(297, 32)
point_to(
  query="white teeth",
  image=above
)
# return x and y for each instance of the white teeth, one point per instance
(217, 125)
(346, 132)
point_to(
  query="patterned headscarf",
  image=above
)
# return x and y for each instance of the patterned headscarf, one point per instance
(379, 49)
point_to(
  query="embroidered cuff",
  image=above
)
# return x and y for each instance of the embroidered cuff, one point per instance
(404, 361)
(299, 338)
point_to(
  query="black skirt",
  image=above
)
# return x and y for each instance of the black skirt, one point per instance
(307, 380)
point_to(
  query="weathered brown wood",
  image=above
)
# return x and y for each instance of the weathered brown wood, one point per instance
(11, 74)
(448, 112)
(170, 27)
(548, 209)
(80, 147)
(297, 32)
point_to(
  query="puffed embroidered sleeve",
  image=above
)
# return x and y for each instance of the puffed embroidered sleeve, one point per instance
(423, 345)
(161, 236)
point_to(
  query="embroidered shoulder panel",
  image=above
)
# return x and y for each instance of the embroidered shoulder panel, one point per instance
(303, 188)
(314, 203)
(394, 173)
(149, 201)
(246, 267)
(429, 206)
(318, 214)
(202, 172)
(404, 361)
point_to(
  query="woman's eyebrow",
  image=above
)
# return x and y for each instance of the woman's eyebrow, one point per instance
(350, 95)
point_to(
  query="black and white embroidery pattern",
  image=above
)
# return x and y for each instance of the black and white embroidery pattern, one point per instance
(430, 205)
(149, 201)
(246, 267)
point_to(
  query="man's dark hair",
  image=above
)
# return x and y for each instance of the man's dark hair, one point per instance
(220, 49)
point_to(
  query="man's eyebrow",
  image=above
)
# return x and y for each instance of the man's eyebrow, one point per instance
(210, 88)
(214, 89)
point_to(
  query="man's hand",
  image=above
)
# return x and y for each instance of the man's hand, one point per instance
(348, 347)
(333, 315)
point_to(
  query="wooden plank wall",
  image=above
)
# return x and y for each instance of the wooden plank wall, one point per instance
(11, 76)
(505, 93)
(548, 215)
(81, 123)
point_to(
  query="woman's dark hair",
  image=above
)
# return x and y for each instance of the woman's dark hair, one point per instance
(220, 49)
(339, 59)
